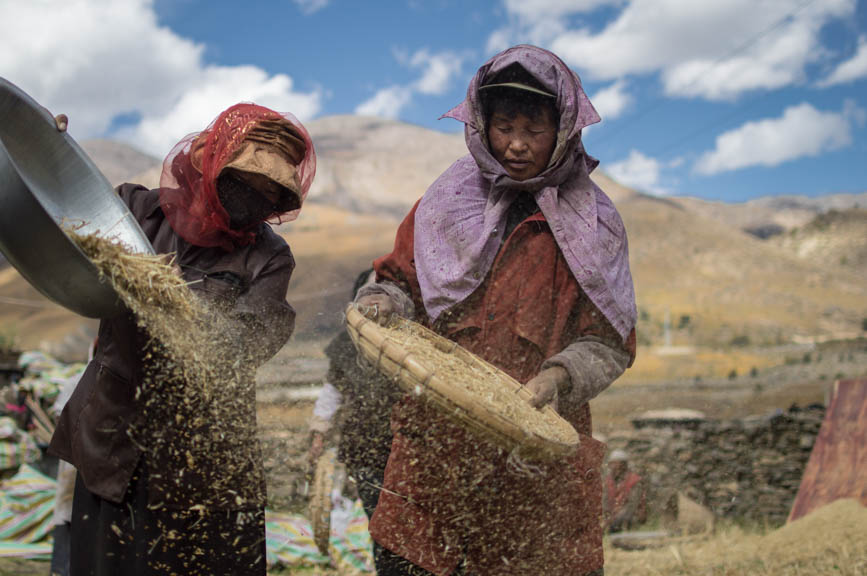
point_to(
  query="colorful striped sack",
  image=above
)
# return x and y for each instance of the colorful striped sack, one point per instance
(289, 541)
(26, 507)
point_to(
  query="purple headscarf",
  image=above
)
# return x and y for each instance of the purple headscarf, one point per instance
(460, 220)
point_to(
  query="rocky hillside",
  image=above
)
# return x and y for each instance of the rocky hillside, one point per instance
(119, 162)
(693, 264)
(772, 215)
(836, 239)
(718, 285)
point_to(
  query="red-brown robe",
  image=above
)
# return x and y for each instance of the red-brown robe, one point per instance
(451, 496)
(619, 493)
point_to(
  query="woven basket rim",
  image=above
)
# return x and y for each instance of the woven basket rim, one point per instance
(319, 506)
(412, 376)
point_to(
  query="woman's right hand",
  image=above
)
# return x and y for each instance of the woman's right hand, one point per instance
(377, 307)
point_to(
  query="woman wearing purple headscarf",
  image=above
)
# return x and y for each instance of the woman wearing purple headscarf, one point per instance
(518, 256)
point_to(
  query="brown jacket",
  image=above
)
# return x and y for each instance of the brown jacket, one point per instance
(95, 430)
(450, 495)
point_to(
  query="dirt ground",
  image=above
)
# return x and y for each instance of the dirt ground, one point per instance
(801, 375)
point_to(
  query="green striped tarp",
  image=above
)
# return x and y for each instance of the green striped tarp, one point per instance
(27, 504)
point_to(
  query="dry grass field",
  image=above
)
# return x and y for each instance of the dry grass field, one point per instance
(828, 541)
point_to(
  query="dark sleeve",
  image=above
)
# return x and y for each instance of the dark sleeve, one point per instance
(341, 360)
(138, 199)
(597, 357)
(264, 317)
(398, 267)
(144, 205)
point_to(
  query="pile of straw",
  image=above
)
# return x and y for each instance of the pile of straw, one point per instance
(829, 540)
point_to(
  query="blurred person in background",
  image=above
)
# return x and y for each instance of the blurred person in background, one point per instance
(515, 254)
(62, 517)
(624, 497)
(355, 403)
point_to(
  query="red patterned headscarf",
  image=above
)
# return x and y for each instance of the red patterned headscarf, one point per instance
(188, 185)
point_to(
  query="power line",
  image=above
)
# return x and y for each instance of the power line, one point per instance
(660, 101)
(28, 303)
(707, 127)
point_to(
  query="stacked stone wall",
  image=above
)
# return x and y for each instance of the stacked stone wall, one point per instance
(748, 469)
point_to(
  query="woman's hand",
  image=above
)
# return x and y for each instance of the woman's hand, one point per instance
(546, 386)
(377, 307)
(62, 122)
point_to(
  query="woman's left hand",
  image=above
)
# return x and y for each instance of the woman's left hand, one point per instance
(377, 307)
(546, 385)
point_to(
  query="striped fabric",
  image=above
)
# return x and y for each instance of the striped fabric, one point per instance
(27, 504)
(26, 507)
(290, 543)
(353, 550)
(17, 449)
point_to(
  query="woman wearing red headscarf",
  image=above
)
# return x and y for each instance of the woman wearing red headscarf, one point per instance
(218, 191)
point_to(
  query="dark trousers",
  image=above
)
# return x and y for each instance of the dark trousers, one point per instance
(132, 539)
(60, 550)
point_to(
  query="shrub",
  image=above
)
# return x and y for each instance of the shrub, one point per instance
(740, 341)
(8, 341)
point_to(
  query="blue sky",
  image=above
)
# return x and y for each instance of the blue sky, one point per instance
(722, 99)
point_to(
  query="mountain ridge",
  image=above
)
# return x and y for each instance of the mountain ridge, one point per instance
(697, 273)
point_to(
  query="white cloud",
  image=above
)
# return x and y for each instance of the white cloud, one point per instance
(97, 59)
(612, 101)
(713, 49)
(854, 113)
(386, 103)
(532, 10)
(638, 171)
(438, 70)
(539, 21)
(311, 6)
(802, 131)
(219, 88)
(499, 40)
(852, 69)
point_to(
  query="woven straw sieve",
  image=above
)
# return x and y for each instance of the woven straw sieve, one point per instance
(542, 434)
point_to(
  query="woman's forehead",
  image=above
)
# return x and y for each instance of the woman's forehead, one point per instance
(542, 117)
(503, 109)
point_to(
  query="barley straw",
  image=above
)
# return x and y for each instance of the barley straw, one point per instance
(484, 382)
(487, 398)
(198, 396)
(141, 280)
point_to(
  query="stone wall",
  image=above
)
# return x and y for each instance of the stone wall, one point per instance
(747, 469)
